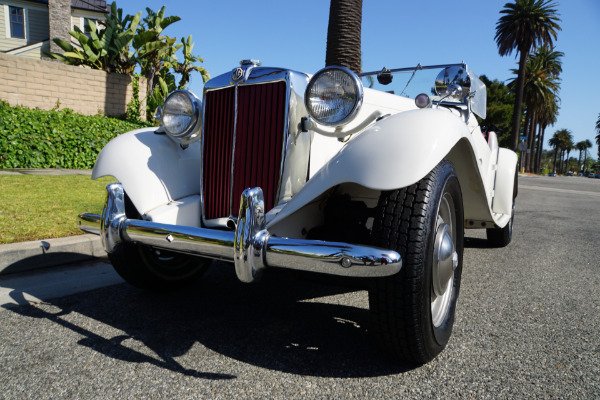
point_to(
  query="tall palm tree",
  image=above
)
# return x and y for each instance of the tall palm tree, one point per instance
(547, 117)
(588, 145)
(540, 96)
(525, 24)
(598, 135)
(565, 138)
(343, 34)
(581, 147)
(555, 143)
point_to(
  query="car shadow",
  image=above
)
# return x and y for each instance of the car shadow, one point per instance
(287, 322)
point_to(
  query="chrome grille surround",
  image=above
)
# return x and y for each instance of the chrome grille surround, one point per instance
(292, 165)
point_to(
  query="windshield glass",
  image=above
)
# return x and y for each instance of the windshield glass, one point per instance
(410, 82)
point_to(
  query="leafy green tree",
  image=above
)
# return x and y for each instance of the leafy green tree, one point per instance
(524, 25)
(106, 48)
(499, 109)
(123, 43)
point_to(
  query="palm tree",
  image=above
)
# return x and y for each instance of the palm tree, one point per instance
(565, 138)
(581, 147)
(555, 142)
(588, 145)
(540, 96)
(343, 34)
(525, 24)
(547, 117)
(598, 135)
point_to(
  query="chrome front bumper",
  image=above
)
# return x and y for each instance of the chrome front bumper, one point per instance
(250, 247)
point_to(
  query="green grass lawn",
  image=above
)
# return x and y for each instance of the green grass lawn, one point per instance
(35, 207)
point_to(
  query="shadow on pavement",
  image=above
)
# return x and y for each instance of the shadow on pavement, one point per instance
(281, 323)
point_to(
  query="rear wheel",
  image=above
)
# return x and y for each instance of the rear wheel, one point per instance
(413, 311)
(501, 237)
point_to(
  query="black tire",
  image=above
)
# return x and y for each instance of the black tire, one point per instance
(155, 269)
(411, 318)
(501, 237)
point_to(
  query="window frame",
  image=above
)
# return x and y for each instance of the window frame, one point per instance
(8, 23)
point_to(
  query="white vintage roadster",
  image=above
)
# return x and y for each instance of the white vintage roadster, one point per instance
(337, 173)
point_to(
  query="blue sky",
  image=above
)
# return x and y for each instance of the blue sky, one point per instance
(395, 33)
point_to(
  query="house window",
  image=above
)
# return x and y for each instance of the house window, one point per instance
(17, 22)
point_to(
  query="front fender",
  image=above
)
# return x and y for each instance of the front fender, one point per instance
(394, 153)
(153, 169)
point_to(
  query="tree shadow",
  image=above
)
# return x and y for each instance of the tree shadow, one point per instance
(282, 323)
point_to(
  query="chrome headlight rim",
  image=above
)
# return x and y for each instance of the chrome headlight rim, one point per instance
(358, 87)
(191, 131)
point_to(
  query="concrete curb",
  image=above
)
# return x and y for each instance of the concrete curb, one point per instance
(26, 256)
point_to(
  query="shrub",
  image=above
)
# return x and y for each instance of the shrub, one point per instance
(34, 138)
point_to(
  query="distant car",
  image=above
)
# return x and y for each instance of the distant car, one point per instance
(591, 175)
(569, 173)
(552, 174)
(597, 176)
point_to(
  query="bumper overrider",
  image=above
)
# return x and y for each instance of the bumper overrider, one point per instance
(250, 247)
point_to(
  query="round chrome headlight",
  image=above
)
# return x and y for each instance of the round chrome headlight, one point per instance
(181, 116)
(333, 96)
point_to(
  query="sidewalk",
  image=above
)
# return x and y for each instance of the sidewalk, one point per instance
(26, 256)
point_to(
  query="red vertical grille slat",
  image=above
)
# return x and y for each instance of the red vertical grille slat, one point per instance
(218, 142)
(259, 140)
(258, 145)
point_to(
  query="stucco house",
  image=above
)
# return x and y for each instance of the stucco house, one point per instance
(26, 26)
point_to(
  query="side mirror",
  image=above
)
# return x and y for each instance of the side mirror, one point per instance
(453, 82)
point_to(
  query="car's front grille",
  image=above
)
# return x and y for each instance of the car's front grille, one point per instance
(253, 139)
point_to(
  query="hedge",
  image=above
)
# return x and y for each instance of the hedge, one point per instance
(34, 138)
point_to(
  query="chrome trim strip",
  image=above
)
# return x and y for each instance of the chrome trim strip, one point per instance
(250, 247)
(89, 223)
(231, 170)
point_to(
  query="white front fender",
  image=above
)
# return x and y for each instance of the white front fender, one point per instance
(153, 169)
(394, 153)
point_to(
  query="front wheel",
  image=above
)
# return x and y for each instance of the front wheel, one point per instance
(154, 269)
(413, 311)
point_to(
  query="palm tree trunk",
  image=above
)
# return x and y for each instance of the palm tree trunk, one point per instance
(344, 34)
(525, 130)
(538, 156)
(532, 125)
(516, 123)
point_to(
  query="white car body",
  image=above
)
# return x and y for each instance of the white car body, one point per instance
(278, 169)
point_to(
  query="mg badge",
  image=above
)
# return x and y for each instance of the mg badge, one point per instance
(237, 74)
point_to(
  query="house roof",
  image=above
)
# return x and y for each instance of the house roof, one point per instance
(88, 5)
(91, 5)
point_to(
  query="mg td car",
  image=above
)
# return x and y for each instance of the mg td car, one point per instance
(373, 176)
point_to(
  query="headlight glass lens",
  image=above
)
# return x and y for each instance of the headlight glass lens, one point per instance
(178, 113)
(333, 96)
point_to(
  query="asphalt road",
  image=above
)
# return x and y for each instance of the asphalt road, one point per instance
(527, 326)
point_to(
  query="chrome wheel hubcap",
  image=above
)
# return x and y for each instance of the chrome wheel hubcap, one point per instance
(445, 261)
